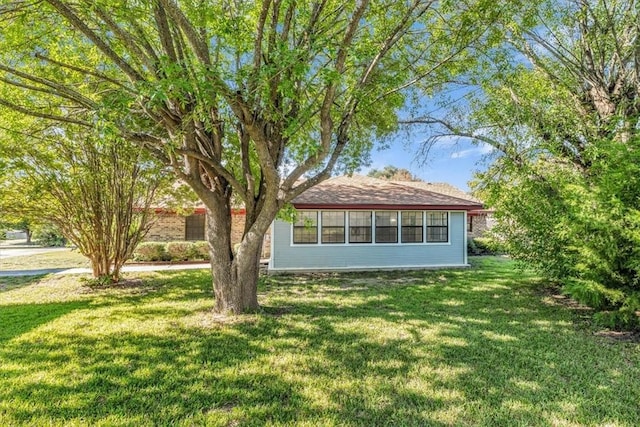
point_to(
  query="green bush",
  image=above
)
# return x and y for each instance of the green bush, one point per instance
(179, 251)
(199, 251)
(172, 251)
(151, 251)
(49, 236)
(483, 246)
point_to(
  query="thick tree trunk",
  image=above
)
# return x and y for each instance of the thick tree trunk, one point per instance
(235, 276)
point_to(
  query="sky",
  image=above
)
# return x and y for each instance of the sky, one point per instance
(453, 161)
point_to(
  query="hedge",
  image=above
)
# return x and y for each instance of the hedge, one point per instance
(172, 251)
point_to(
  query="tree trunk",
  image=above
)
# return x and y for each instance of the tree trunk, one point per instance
(29, 233)
(235, 276)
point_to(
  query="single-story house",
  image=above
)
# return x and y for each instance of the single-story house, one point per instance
(360, 223)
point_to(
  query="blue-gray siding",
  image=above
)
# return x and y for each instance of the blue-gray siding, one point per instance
(286, 256)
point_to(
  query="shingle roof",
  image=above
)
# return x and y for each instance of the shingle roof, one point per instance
(362, 192)
(442, 188)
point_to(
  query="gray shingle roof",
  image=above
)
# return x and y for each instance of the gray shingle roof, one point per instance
(359, 191)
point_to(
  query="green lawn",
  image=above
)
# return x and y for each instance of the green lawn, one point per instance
(58, 259)
(483, 346)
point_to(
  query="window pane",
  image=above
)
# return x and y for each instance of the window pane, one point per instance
(194, 227)
(305, 229)
(332, 227)
(386, 219)
(437, 234)
(412, 218)
(411, 234)
(412, 227)
(436, 218)
(306, 218)
(360, 219)
(437, 227)
(333, 219)
(359, 227)
(386, 227)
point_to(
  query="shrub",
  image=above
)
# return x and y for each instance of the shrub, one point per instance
(49, 236)
(179, 251)
(483, 246)
(151, 251)
(199, 250)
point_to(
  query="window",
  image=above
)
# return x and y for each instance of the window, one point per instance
(469, 223)
(332, 227)
(412, 229)
(386, 227)
(437, 227)
(305, 229)
(359, 227)
(194, 227)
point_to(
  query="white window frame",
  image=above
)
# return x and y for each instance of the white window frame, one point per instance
(373, 228)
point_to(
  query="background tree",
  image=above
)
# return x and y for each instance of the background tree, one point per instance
(393, 173)
(96, 189)
(561, 109)
(241, 98)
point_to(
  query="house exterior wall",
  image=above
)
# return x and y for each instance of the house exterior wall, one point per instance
(167, 228)
(170, 227)
(287, 256)
(480, 224)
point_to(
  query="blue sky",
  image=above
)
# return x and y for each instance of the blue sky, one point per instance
(453, 161)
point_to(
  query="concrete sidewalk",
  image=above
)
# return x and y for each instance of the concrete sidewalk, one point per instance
(125, 269)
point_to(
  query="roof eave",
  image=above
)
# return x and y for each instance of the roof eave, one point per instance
(404, 207)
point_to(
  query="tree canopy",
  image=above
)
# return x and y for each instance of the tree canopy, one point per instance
(560, 104)
(393, 173)
(240, 98)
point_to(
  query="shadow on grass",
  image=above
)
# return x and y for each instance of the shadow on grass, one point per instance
(472, 347)
(12, 282)
(17, 319)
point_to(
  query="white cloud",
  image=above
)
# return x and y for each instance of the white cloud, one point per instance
(479, 149)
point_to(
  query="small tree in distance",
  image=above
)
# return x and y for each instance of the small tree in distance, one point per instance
(393, 173)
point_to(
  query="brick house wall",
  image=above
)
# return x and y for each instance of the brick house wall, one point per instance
(171, 227)
(478, 223)
(167, 227)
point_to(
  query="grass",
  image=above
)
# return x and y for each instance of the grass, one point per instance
(483, 346)
(64, 258)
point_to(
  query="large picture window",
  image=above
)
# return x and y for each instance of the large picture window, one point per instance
(332, 227)
(412, 229)
(305, 229)
(437, 227)
(359, 227)
(386, 227)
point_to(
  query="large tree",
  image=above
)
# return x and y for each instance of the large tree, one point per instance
(242, 98)
(562, 111)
